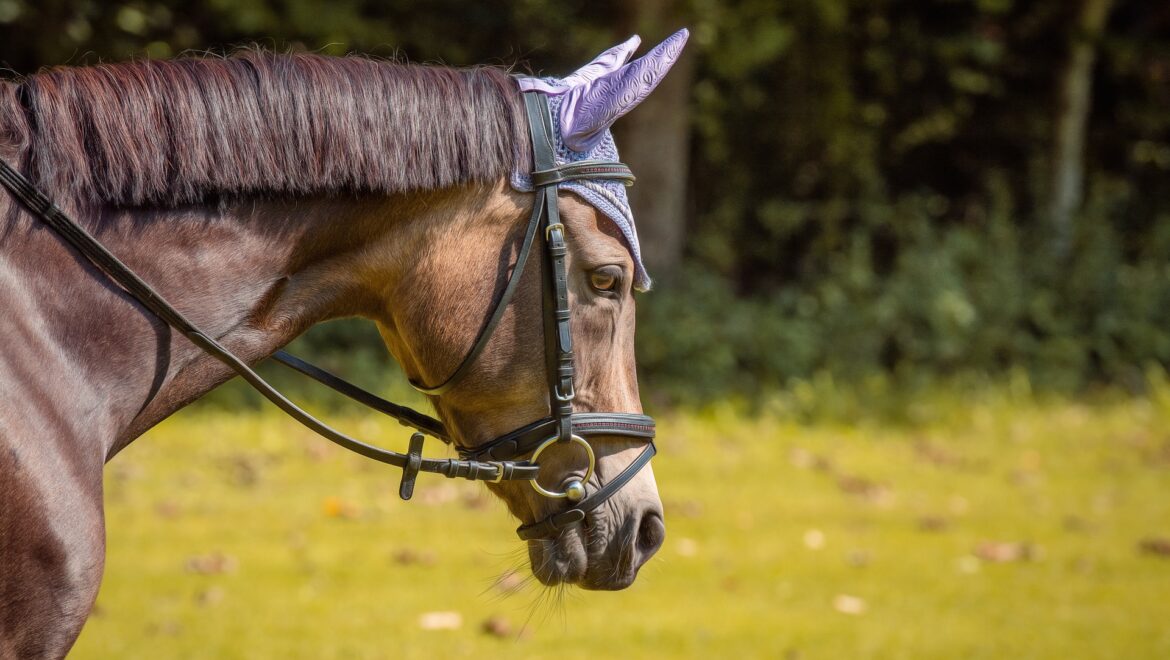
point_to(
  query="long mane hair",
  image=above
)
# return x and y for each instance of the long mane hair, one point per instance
(258, 123)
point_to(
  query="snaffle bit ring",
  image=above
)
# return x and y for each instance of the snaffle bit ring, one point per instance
(576, 439)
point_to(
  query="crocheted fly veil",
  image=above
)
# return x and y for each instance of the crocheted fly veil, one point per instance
(584, 105)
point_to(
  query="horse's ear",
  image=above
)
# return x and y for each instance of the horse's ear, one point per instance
(592, 106)
(607, 62)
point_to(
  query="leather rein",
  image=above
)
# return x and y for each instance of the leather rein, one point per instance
(511, 457)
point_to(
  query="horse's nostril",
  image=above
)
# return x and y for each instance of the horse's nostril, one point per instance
(651, 534)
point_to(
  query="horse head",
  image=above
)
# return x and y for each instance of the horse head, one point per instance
(507, 385)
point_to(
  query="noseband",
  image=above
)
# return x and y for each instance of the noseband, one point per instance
(511, 457)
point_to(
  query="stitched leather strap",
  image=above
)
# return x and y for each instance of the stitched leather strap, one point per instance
(558, 336)
(405, 416)
(485, 333)
(524, 440)
(583, 169)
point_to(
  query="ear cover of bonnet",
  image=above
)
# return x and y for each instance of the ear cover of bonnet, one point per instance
(583, 107)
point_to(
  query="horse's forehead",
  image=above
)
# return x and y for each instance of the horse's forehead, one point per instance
(608, 197)
(592, 233)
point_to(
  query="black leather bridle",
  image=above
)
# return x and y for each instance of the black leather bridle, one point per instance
(511, 457)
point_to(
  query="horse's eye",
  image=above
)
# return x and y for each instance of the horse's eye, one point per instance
(605, 279)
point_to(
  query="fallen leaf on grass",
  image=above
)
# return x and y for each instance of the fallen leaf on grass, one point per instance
(967, 564)
(933, 523)
(934, 454)
(210, 596)
(687, 547)
(866, 489)
(1002, 552)
(335, 507)
(243, 470)
(806, 460)
(846, 604)
(858, 558)
(412, 557)
(814, 539)
(1026, 478)
(168, 628)
(496, 626)
(1157, 456)
(1155, 545)
(216, 563)
(1076, 523)
(440, 621)
(958, 505)
(1030, 461)
(317, 450)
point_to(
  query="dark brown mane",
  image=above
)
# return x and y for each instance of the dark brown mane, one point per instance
(184, 130)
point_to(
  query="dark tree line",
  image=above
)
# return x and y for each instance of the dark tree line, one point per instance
(918, 187)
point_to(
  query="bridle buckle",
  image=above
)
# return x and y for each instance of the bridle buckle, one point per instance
(565, 398)
(499, 465)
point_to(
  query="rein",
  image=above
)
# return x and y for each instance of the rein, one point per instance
(511, 457)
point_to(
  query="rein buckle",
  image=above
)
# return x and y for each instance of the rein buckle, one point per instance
(499, 472)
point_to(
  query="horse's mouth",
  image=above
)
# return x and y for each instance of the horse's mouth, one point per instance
(576, 558)
(560, 560)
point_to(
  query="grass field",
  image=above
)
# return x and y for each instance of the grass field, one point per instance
(991, 526)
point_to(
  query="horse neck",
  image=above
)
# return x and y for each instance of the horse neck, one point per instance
(252, 275)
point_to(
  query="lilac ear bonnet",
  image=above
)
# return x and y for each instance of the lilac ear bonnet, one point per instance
(584, 105)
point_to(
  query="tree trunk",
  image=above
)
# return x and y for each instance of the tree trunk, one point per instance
(655, 141)
(1074, 100)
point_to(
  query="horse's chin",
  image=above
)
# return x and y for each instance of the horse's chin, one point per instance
(566, 560)
(563, 560)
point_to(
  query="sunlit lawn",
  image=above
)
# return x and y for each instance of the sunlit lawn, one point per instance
(994, 528)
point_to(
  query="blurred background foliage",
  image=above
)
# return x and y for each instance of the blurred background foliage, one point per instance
(901, 190)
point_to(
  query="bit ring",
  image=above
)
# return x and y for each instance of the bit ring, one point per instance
(576, 439)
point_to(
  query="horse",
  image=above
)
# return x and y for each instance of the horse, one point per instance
(263, 193)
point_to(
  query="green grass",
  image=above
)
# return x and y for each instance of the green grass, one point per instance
(303, 551)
